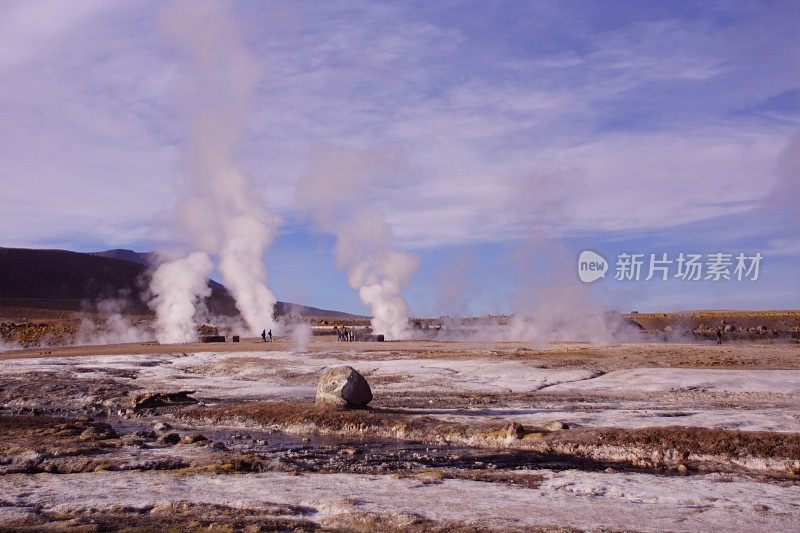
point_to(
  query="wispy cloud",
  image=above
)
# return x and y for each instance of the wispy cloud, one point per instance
(528, 118)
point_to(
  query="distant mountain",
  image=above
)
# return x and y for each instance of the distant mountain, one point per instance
(142, 258)
(147, 259)
(287, 308)
(74, 281)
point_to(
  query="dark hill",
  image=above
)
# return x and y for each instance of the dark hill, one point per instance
(146, 259)
(143, 258)
(73, 281)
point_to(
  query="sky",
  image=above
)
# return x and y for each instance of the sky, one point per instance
(520, 134)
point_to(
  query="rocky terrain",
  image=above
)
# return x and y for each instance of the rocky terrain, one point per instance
(734, 325)
(455, 437)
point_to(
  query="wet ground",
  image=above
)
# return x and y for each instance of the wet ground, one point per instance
(233, 441)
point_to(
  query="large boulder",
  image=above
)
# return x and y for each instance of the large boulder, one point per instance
(343, 386)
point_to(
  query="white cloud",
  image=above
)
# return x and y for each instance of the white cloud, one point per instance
(31, 28)
(783, 247)
(499, 143)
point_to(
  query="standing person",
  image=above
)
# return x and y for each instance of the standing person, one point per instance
(263, 335)
(719, 335)
(270, 335)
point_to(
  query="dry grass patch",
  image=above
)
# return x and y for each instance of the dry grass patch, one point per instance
(691, 440)
(170, 517)
(327, 419)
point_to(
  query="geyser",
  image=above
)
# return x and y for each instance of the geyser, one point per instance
(220, 214)
(364, 240)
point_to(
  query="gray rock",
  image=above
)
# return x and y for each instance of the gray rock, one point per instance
(193, 439)
(161, 426)
(555, 425)
(98, 432)
(343, 386)
(161, 399)
(169, 438)
(515, 430)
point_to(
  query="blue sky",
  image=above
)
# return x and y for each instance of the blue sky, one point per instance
(528, 131)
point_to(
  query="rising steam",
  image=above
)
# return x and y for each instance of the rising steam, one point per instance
(178, 287)
(220, 214)
(114, 328)
(335, 192)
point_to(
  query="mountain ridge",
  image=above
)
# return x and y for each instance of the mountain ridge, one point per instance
(76, 281)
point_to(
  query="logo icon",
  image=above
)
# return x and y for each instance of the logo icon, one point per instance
(591, 266)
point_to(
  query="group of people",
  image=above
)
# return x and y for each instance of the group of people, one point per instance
(345, 334)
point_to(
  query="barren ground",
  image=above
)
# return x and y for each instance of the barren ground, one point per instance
(636, 437)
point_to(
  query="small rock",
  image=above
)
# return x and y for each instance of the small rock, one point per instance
(534, 436)
(160, 399)
(161, 426)
(515, 430)
(682, 470)
(343, 386)
(555, 425)
(133, 440)
(261, 442)
(193, 439)
(144, 434)
(100, 432)
(169, 438)
(219, 446)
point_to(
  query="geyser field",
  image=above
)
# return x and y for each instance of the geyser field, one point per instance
(399, 266)
(460, 436)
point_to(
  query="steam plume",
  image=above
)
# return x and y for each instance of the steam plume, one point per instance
(335, 192)
(220, 214)
(787, 187)
(178, 287)
(114, 328)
